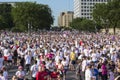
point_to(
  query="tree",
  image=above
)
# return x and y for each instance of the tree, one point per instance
(107, 15)
(83, 25)
(75, 24)
(6, 20)
(37, 16)
(114, 14)
(99, 15)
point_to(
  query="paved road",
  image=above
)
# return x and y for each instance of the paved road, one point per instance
(70, 74)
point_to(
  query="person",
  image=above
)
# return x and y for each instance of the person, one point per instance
(28, 61)
(60, 68)
(88, 73)
(34, 69)
(42, 74)
(5, 73)
(15, 56)
(20, 73)
(84, 64)
(117, 78)
(104, 71)
(111, 75)
(73, 60)
(78, 71)
(1, 75)
(14, 77)
(95, 72)
(99, 68)
(1, 61)
(65, 66)
(54, 75)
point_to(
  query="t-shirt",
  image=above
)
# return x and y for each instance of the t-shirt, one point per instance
(84, 63)
(54, 74)
(5, 74)
(1, 62)
(111, 76)
(41, 75)
(20, 74)
(27, 59)
(72, 56)
(34, 69)
(6, 52)
(94, 57)
(88, 74)
(2, 78)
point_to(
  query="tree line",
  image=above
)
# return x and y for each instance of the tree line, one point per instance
(25, 15)
(105, 16)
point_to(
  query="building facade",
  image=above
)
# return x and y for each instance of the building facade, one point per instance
(65, 18)
(84, 8)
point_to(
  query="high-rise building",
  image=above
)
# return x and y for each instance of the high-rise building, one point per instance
(84, 8)
(65, 18)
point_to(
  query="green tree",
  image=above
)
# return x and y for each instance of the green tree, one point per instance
(76, 23)
(107, 15)
(6, 20)
(83, 25)
(88, 25)
(38, 16)
(114, 14)
(99, 15)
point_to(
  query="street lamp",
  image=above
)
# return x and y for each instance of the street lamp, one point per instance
(95, 26)
(28, 29)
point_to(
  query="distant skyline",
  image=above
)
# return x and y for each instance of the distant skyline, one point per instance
(57, 6)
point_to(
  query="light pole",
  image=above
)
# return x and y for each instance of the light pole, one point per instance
(95, 26)
(28, 29)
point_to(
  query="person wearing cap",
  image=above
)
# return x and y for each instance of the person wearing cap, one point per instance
(20, 73)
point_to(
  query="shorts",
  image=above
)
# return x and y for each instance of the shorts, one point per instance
(9, 61)
(5, 58)
(73, 62)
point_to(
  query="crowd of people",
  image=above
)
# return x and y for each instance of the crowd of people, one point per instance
(49, 55)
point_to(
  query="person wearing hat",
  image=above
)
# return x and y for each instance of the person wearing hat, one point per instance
(20, 73)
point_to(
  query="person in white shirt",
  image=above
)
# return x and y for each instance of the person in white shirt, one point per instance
(28, 61)
(6, 54)
(65, 64)
(88, 73)
(1, 76)
(34, 70)
(57, 58)
(94, 57)
(1, 61)
(84, 63)
(5, 73)
(20, 73)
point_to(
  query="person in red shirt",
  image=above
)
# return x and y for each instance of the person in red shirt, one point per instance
(42, 74)
(54, 75)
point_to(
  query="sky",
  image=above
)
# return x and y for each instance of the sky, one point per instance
(56, 6)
